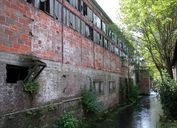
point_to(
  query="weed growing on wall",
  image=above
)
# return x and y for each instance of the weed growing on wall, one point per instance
(31, 87)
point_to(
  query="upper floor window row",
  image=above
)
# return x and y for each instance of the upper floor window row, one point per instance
(53, 7)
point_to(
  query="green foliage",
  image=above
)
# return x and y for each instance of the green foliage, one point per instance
(168, 96)
(166, 123)
(67, 120)
(134, 93)
(154, 23)
(31, 87)
(90, 102)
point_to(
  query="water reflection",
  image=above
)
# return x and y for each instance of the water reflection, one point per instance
(144, 115)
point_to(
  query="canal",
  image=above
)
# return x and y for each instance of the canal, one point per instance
(145, 114)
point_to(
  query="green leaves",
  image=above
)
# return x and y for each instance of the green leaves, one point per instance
(31, 87)
(156, 21)
(90, 102)
(168, 96)
(67, 120)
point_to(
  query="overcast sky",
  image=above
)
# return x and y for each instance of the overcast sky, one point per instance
(111, 7)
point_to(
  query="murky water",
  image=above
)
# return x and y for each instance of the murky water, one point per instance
(145, 115)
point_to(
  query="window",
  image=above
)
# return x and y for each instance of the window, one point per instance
(45, 6)
(114, 38)
(80, 5)
(100, 40)
(103, 27)
(58, 11)
(16, 73)
(84, 9)
(97, 21)
(78, 22)
(105, 43)
(112, 87)
(89, 32)
(98, 87)
(96, 37)
(66, 17)
(72, 22)
(90, 14)
(83, 31)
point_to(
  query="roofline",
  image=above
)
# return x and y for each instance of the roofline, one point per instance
(104, 13)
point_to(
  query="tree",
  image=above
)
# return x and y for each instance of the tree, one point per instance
(155, 21)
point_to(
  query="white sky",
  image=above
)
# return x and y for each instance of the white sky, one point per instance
(111, 7)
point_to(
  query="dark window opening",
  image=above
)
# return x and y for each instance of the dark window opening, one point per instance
(80, 5)
(45, 6)
(29, 1)
(89, 32)
(84, 9)
(16, 73)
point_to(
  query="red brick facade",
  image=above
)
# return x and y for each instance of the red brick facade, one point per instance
(26, 30)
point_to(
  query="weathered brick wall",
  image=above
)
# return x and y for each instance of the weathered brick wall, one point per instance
(73, 61)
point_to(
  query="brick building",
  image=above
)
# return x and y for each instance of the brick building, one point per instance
(75, 48)
(175, 62)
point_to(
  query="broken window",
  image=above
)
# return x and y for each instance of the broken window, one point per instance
(16, 73)
(89, 32)
(58, 11)
(72, 22)
(78, 28)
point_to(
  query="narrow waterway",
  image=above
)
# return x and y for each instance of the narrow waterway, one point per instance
(145, 114)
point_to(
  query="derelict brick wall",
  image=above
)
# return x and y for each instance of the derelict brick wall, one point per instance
(71, 65)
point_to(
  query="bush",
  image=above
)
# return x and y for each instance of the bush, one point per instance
(67, 120)
(134, 93)
(90, 102)
(168, 96)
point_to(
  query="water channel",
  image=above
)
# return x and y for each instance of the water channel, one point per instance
(145, 114)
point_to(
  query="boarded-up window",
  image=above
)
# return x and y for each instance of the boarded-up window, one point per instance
(58, 11)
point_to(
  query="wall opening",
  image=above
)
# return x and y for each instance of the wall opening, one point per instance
(45, 6)
(16, 73)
